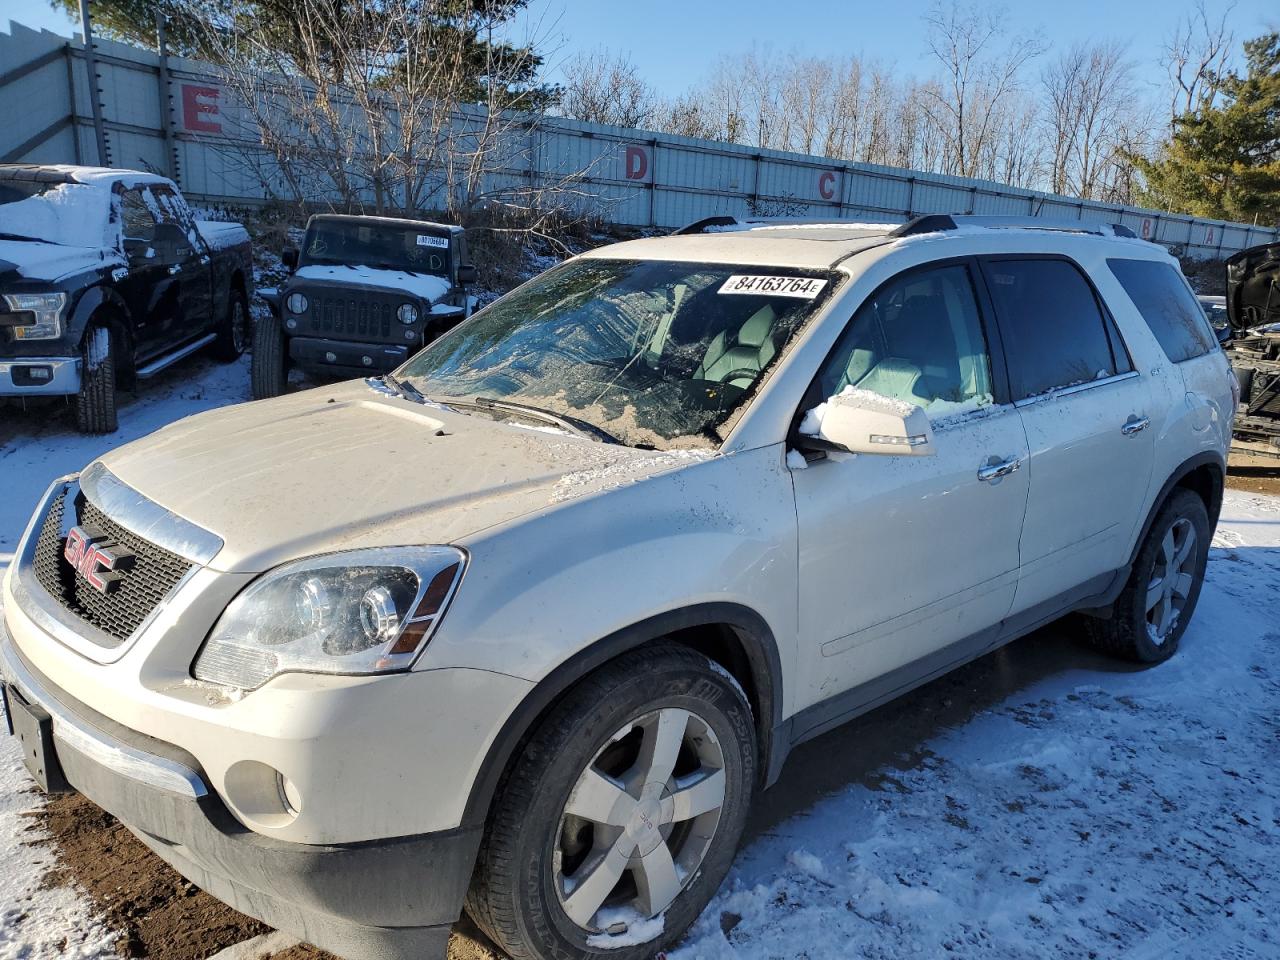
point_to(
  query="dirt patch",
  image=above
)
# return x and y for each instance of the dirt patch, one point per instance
(1254, 474)
(154, 911)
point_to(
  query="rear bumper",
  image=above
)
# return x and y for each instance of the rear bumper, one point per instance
(392, 899)
(347, 356)
(39, 376)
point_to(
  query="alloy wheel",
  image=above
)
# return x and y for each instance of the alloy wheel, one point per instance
(1172, 578)
(639, 821)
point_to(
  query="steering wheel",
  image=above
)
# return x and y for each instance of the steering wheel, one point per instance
(746, 373)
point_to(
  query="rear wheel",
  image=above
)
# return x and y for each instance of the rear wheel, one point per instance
(270, 370)
(96, 401)
(622, 816)
(233, 331)
(1150, 616)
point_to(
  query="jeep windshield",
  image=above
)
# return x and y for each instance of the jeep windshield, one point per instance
(653, 353)
(378, 245)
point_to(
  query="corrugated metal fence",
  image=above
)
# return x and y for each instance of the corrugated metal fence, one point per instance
(628, 176)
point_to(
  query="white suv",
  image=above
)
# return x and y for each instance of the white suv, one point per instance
(523, 627)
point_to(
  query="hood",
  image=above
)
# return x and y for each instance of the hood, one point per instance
(1253, 287)
(422, 285)
(33, 260)
(345, 467)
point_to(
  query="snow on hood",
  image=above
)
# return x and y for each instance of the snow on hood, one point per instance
(69, 214)
(429, 288)
(342, 467)
(48, 261)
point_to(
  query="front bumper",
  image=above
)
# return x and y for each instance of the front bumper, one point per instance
(39, 377)
(347, 356)
(390, 899)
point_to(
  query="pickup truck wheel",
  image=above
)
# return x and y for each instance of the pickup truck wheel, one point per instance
(621, 817)
(233, 332)
(96, 401)
(270, 371)
(1150, 616)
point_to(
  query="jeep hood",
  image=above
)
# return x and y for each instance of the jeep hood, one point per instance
(425, 286)
(343, 467)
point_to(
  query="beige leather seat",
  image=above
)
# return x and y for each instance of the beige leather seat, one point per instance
(739, 358)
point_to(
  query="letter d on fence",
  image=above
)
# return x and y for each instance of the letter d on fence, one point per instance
(637, 163)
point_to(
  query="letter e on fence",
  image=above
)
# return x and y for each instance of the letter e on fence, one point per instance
(636, 162)
(827, 185)
(200, 108)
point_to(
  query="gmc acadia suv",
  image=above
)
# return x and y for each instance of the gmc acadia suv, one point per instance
(521, 627)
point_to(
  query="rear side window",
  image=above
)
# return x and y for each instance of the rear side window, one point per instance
(1055, 334)
(1172, 313)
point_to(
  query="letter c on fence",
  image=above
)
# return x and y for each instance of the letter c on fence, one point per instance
(200, 108)
(827, 185)
(637, 163)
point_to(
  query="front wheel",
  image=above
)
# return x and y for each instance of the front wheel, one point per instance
(269, 373)
(96, 401)
(233, 331)
(622, 816)
(1151, 614)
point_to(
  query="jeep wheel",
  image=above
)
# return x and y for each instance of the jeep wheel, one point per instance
(1150, 616)
(620, 819)
(233, 331)
(270, 371)
(96, 401)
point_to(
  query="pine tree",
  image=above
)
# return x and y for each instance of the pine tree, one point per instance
(1223, 159)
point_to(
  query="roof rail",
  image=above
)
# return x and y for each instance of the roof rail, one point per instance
(935, 223)
(700, 226)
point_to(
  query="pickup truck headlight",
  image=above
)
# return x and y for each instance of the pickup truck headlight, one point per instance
(47, 311)
(359, 612)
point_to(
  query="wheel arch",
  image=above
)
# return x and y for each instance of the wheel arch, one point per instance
(103, 305)
(1204, 475)
(730, 634)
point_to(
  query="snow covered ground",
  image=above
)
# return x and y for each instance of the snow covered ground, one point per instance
(1094, 812)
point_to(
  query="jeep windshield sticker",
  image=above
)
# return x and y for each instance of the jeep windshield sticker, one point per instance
(427, 240)
(803, 288)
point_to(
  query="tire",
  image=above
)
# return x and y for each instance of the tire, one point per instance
(234, 331)
(270, 372)
(96, 401)
(1137, 630)
(537, 854)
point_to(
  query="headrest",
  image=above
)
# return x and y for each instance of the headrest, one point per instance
(758, 328)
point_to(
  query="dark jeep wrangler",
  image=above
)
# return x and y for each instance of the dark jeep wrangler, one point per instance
(106, 279)
(364, 293)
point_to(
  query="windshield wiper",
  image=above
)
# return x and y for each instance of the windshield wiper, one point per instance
(18, 236)
(404, 389)
(573, 424)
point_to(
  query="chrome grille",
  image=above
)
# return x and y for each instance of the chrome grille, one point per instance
(118, 613)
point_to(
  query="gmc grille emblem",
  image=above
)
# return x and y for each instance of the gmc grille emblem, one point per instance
(101, 561)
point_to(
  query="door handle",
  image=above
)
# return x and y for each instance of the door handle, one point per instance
(994, 471)
(175, 269)
(1135, 425)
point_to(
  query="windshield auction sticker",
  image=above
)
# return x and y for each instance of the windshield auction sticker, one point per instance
(427, 240)
(803, 288)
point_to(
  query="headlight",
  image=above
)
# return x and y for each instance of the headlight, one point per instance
(407, 313)
(360, 612)
(297, 303)
(47, 310)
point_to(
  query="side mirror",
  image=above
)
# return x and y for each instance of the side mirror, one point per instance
(467, 273)
(858, 421)
(289, 257)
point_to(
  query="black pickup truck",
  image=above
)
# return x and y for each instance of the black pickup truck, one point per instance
(106, 279)
(362, 294)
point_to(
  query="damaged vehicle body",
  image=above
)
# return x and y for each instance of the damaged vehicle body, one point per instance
(1253, 312)
(106, 278)
(521, 627)
(363, 294)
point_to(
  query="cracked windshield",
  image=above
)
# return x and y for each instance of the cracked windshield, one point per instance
(653, 354)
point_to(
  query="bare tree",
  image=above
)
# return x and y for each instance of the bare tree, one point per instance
(978, 74)
(1196, 58)
(603, 88)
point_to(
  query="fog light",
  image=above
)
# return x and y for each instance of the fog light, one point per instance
(291, 323)
(367, 361)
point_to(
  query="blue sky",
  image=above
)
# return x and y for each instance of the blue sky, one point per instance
(674, 42)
